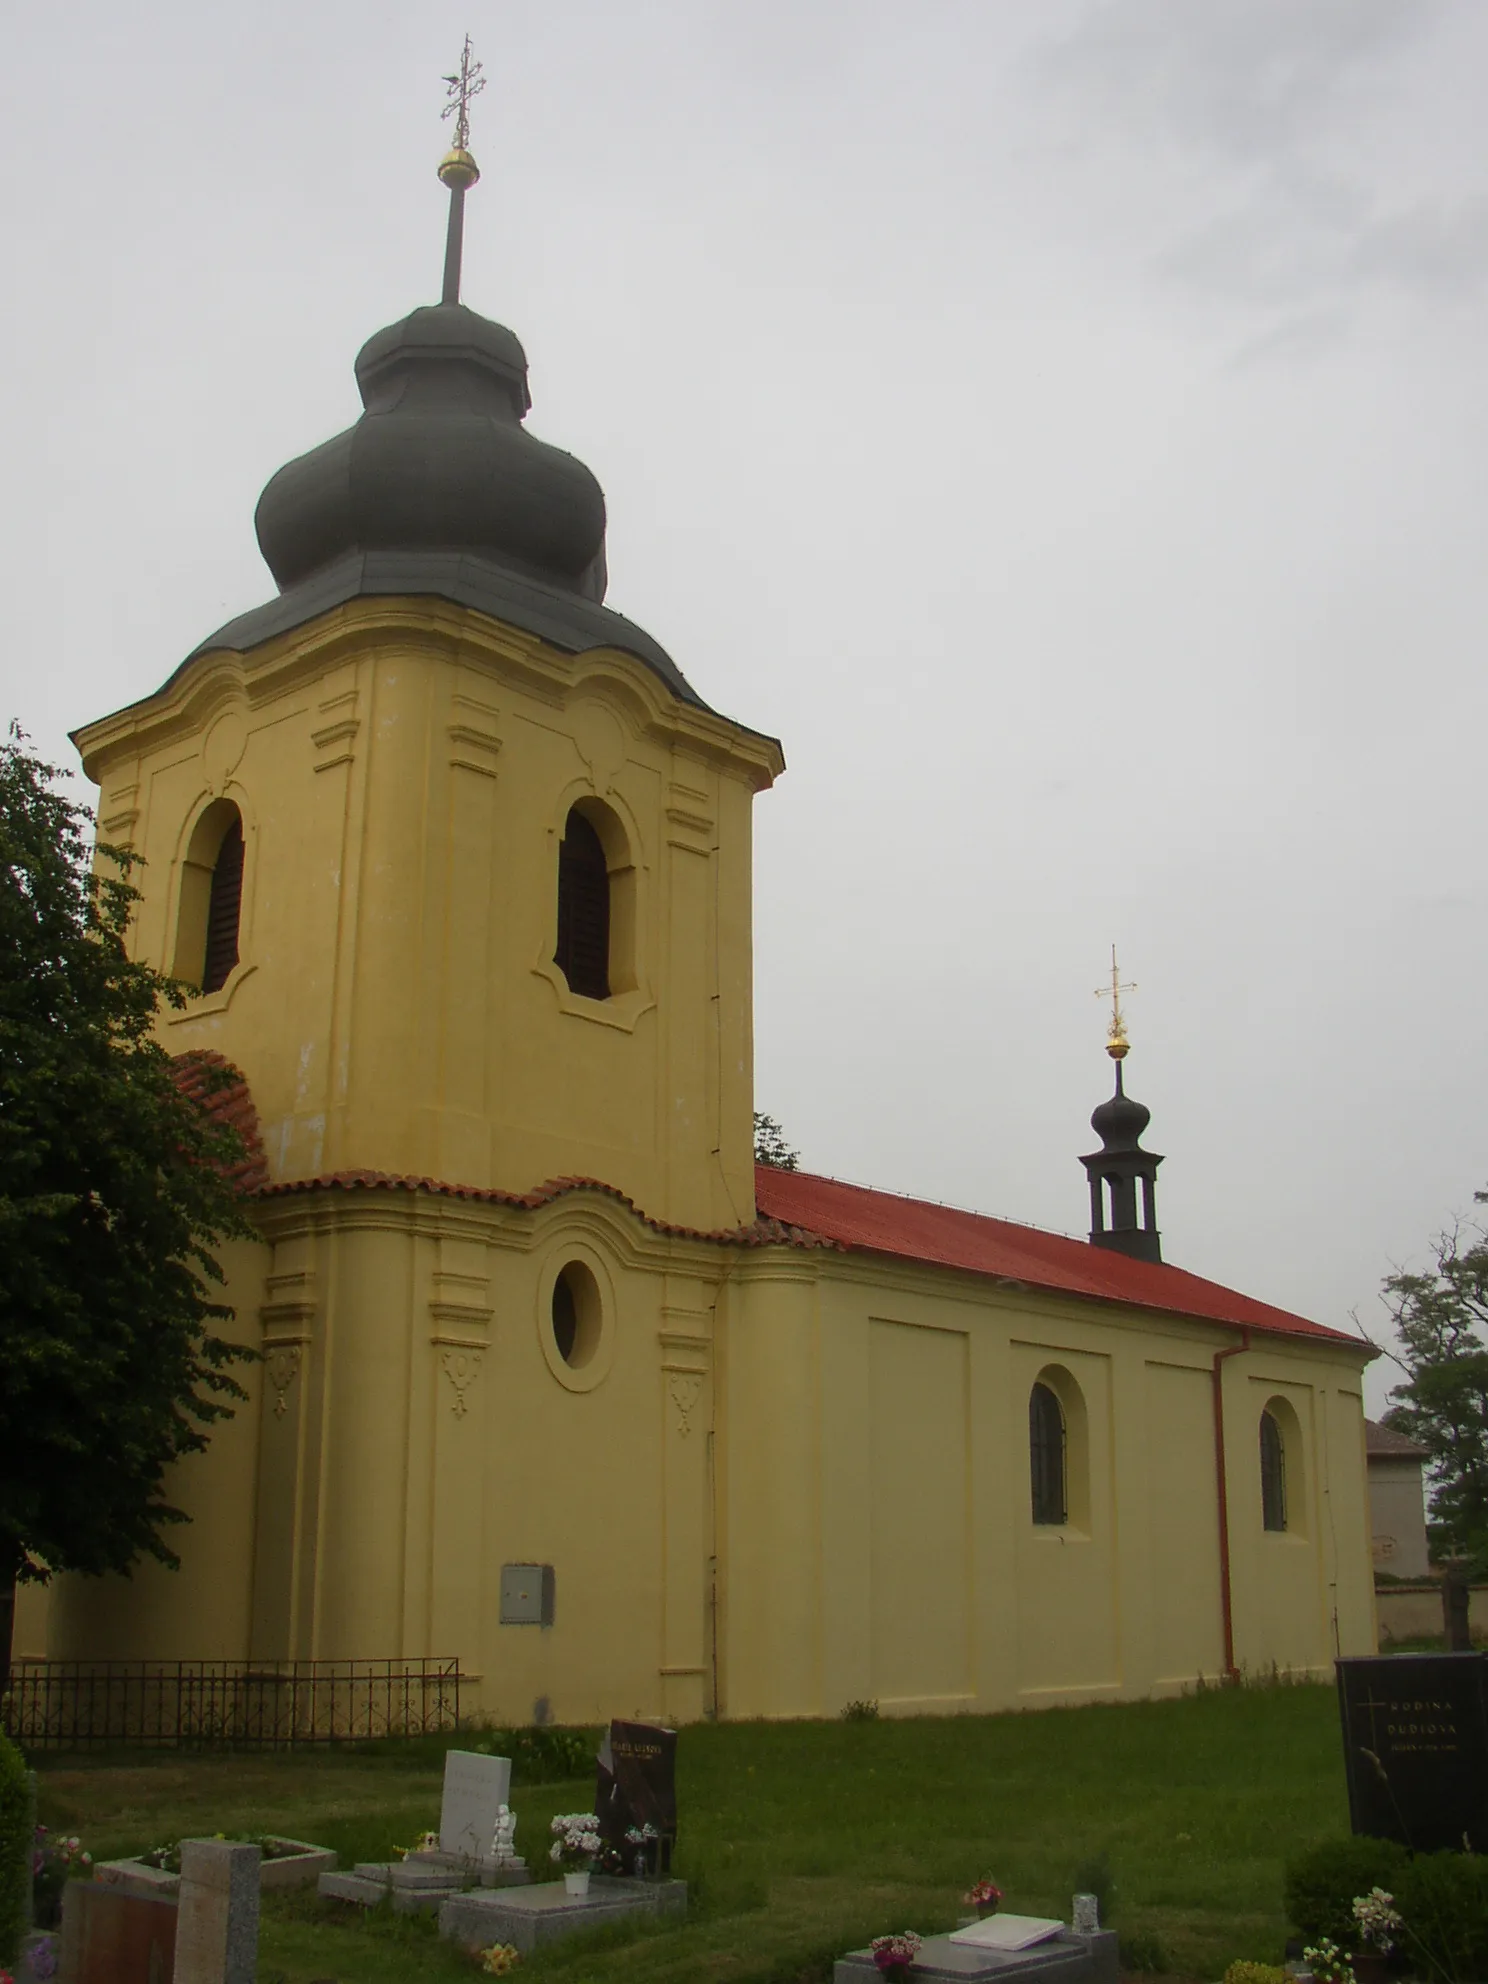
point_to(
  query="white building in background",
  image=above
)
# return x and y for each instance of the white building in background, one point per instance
(1397, 1502)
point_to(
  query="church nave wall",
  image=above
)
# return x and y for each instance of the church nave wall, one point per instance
(881, 1540)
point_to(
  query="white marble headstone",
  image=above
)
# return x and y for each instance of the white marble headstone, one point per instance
(475, 1789)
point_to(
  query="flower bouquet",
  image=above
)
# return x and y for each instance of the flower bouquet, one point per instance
(985, 1897)
(894, 1954)
(56, 1859)
(645, 1848)
(498, 1960)
(576, 1848)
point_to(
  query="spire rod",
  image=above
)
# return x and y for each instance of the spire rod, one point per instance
(457, 169)
(1117, 1044)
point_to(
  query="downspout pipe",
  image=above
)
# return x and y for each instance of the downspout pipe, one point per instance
(1231, 1671)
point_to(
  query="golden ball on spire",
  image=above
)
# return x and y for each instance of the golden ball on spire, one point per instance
(1118, 1047)
(458, 170)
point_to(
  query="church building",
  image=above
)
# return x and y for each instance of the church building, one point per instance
(554, 1378)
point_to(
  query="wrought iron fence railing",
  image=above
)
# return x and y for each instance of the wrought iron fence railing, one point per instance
(255, 1705)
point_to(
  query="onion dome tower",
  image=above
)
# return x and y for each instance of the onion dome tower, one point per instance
(1120, 1217)
(439, 489)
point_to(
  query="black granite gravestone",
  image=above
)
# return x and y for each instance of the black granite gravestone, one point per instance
(637, 1787)
(1415, 1746)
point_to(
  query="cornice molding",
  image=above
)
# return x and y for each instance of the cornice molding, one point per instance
(420, 627)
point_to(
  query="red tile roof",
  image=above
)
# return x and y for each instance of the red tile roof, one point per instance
(799, 1209)
(1384, 1443)
(211, 1080)
(916, 1230)
(765, 1232)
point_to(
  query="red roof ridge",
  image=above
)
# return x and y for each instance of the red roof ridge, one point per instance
(810, 1211)
(763, 1232)
(862, 1218)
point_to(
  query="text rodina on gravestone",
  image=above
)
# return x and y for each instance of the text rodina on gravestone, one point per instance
(635, 1797)
(1415, 1742)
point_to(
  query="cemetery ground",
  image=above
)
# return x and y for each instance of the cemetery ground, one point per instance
(801, 1840)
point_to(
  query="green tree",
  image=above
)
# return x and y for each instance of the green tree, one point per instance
(770, 1146)
(114, 1188)
(1441, 1318)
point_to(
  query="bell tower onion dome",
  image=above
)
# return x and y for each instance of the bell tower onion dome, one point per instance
(439, 489)
(1123, 1176)
(439, 461)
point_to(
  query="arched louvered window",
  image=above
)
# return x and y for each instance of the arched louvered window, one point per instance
(1047, 1455)
(1273, 1473)
(224, 906)
(583, 953)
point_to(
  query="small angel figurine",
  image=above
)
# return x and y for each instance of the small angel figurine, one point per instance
(503, 1847)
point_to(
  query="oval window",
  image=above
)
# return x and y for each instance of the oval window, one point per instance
(577, 1315)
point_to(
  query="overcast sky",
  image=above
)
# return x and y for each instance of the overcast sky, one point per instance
(1062, 422)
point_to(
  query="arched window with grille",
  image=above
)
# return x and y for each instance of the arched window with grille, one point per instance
(210, 912)
(224, 908)
(1273, 1473)
(583, 952)
(1048, 1455)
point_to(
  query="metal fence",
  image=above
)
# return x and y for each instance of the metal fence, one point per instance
(231, 1704)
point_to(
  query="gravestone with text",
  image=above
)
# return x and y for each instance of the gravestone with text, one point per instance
(636, 1787)
(1415, 1742)
(475, 1789)
(475, 1845)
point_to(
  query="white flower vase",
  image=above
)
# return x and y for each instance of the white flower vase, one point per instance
(576, 1884)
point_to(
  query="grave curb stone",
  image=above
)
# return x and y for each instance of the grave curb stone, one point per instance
(1063, 1959)
(529, 1917)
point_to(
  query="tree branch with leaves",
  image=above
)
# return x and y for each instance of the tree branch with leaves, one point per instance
(1441, 1319)
(114, 1194)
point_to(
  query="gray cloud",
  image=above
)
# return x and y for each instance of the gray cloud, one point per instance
(1250, 80)
(1274, 119)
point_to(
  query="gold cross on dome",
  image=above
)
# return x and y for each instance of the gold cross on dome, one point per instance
(1116, 1041)
(467, 82)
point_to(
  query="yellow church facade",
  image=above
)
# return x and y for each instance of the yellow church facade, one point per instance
(458, 867)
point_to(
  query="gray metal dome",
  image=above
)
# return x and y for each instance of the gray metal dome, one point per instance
(439, 461)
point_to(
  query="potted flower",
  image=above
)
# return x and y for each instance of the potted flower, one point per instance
(576, 1848)
(985, 1897)
(894, 1954)
(1378, 1919)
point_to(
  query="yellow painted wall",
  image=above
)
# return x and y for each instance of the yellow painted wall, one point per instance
(200, 1611)
(844, 1383)
(404, 770)
(848, 1436)
(786, 1479)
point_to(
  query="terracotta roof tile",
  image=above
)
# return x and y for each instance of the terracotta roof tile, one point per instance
(1384, 1443)
(212, 1081)
(764, 1232)
(799, 1209)
(915, 1230)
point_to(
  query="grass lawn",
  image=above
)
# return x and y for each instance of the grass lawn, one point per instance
(805, 1839)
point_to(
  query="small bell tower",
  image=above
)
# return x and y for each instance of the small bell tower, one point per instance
(1123, 1176)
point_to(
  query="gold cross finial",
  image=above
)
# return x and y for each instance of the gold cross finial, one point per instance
(1117, 1045)
(467, 82)
(457, 169)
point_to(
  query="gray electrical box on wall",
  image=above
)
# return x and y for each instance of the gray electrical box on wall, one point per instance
(526, 1594)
